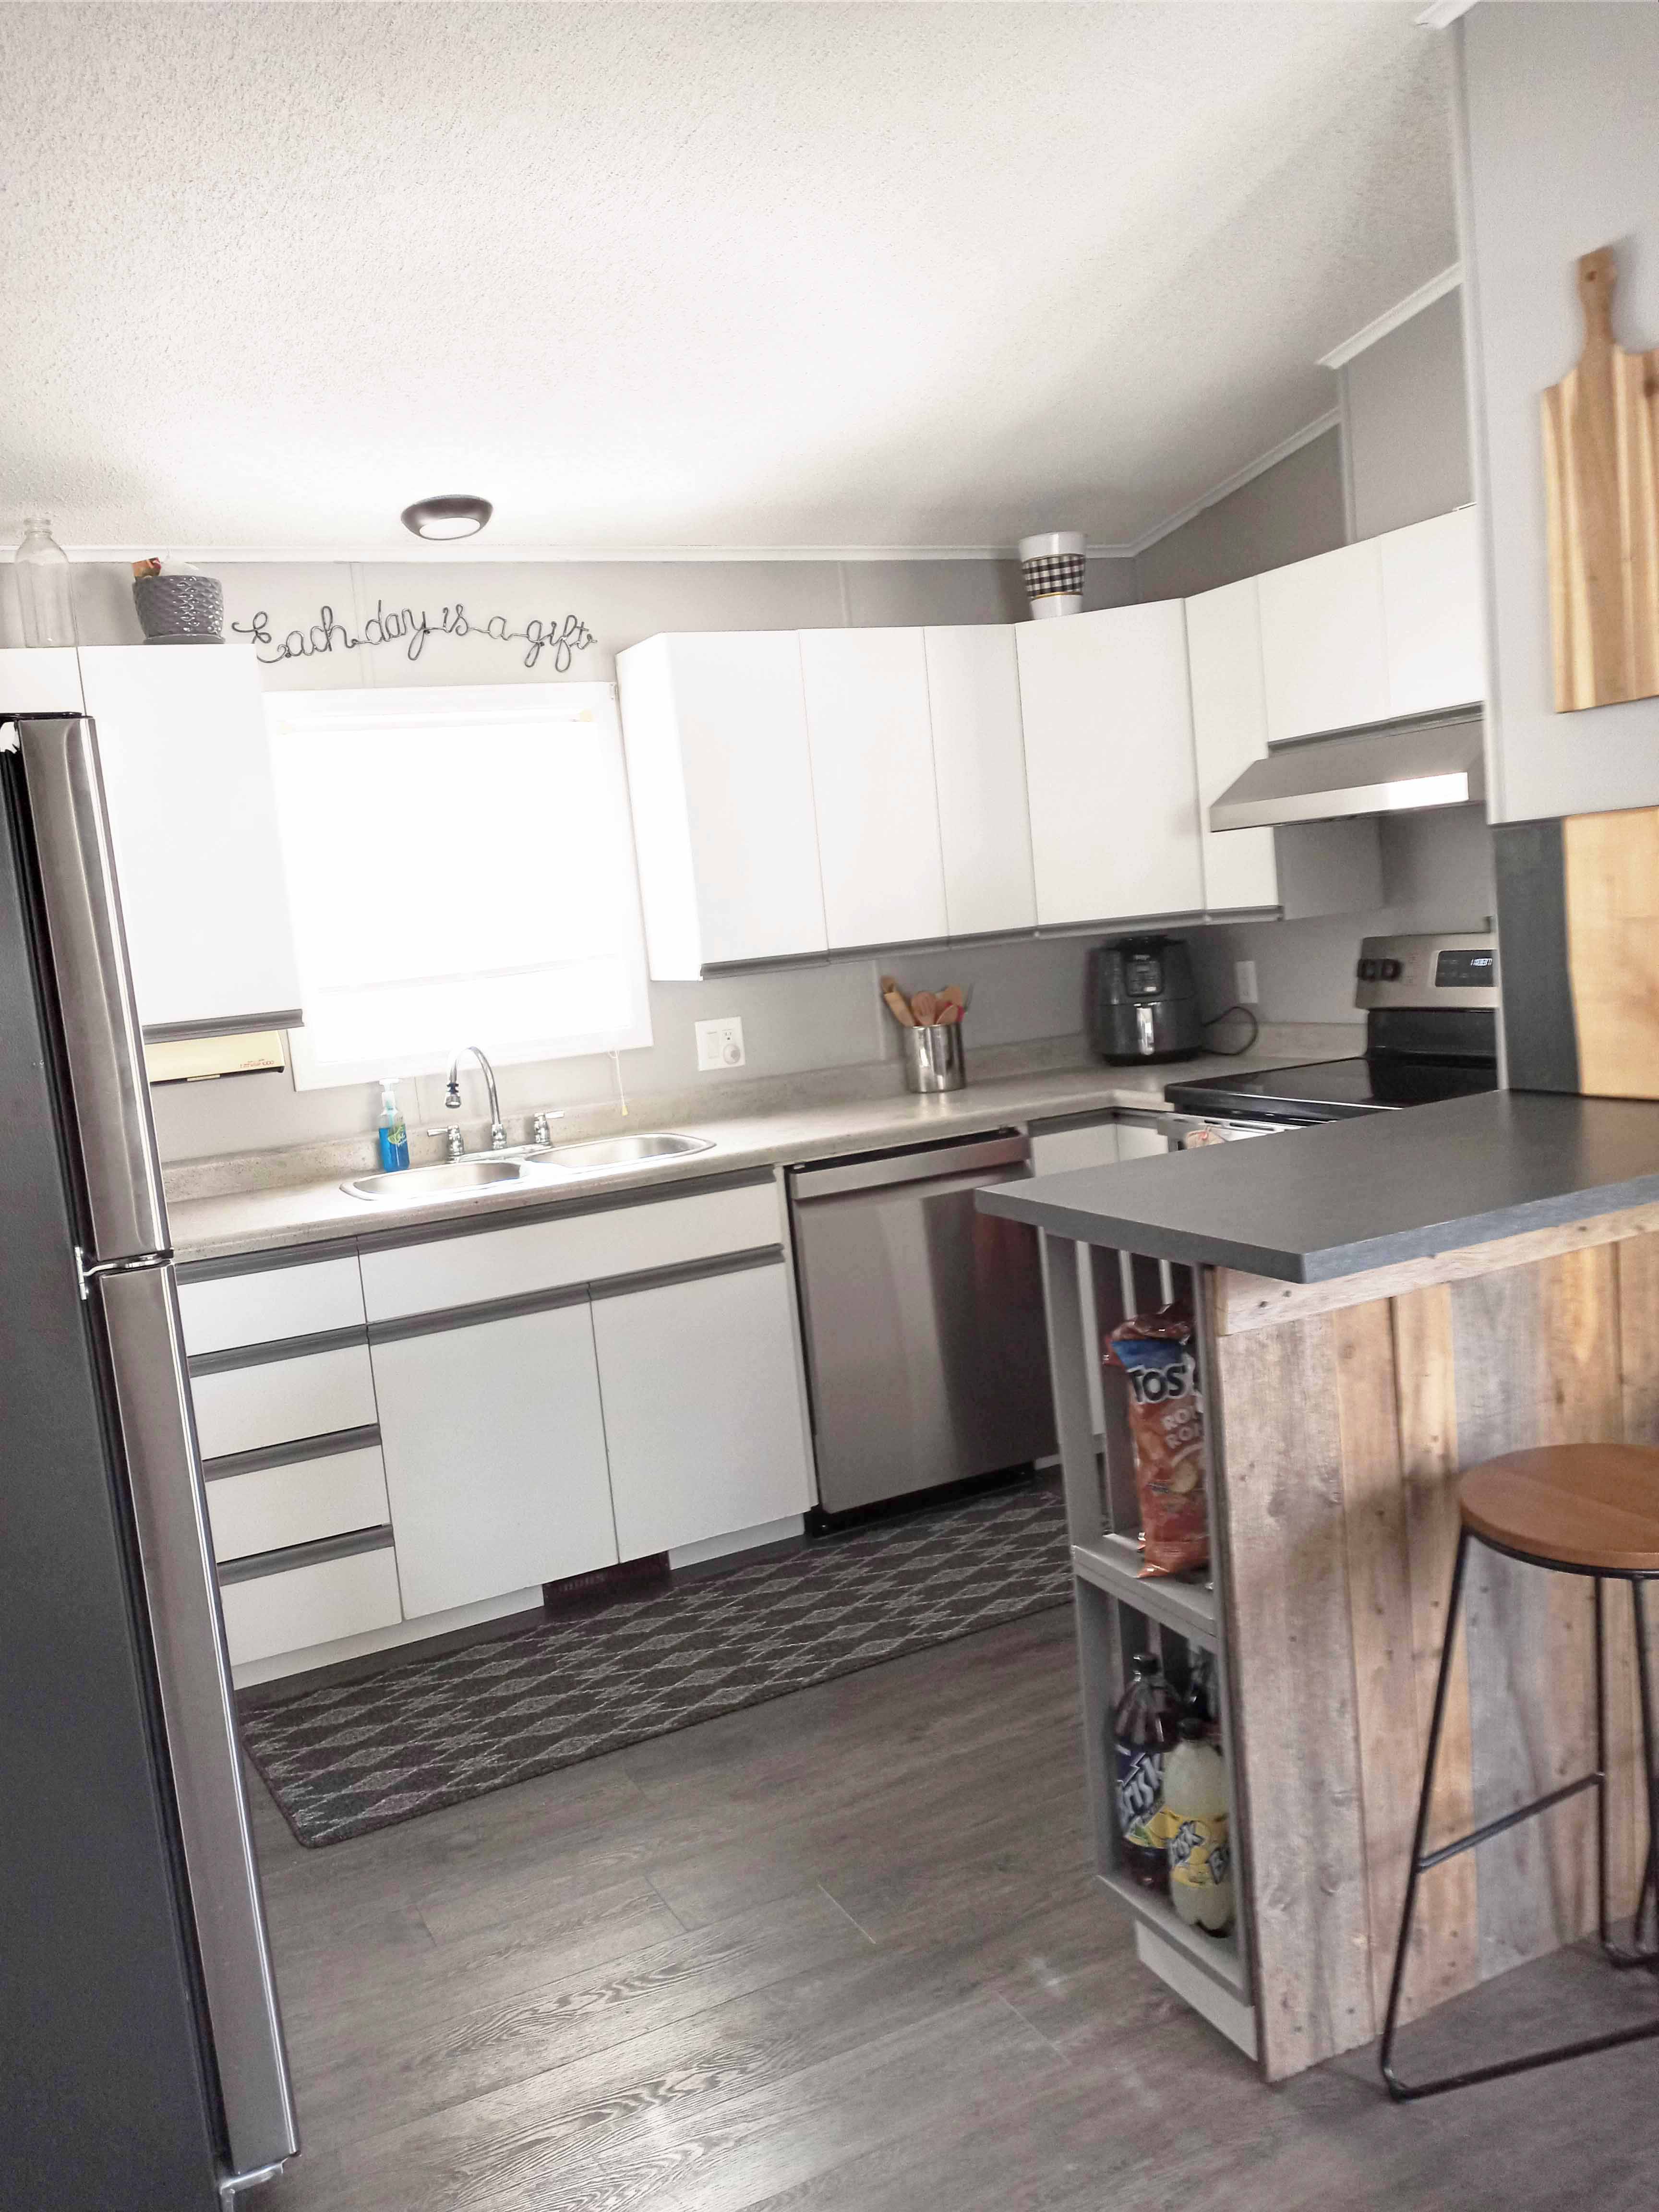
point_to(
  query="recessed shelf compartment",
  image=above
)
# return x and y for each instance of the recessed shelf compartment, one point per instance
(1219, 1956)
(1113, 1565)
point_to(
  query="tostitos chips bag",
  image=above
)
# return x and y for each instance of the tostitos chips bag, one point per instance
(1166, 1420)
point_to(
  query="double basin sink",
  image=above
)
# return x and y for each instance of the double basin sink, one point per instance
(523, 1163)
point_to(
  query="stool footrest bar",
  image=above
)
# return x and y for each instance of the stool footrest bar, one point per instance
(1507, 1820)
(1406, 2093)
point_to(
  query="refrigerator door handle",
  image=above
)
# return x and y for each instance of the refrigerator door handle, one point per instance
(96, 1007)
(146, 1346)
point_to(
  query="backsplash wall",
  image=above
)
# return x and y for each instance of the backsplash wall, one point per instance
(794, 1019)
(1437, 874)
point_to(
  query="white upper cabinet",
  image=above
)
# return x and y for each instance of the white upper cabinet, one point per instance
(871, 734)
(1431, 614)
(979, 767)
(1388, 626)
(42, 679)
(720, 783)
(1229, 730)
(186, 761)
(1109, 760)
(1324, 660)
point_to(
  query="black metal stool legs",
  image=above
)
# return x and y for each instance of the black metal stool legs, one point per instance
(1422, 1861)
(1639, 1954)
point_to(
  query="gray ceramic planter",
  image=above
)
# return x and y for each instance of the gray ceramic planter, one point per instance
(175, 607)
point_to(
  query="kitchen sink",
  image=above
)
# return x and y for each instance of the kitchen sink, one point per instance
(523, 1163)
(629, 1151)
(408, 1184)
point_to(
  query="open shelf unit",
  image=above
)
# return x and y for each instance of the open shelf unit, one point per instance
(1112, 1564)
(1217, 1956)
(1120, 1613)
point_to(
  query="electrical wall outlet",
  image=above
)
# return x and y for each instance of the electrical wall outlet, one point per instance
(719, 1044)
(1244, 982)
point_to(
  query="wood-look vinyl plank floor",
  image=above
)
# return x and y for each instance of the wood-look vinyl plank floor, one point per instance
(843, 1952)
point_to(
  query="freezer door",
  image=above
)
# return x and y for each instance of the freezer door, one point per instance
(99, 1016)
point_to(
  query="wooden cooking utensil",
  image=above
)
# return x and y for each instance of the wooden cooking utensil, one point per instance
(948, 1012)
(925, 1006)
(898, 1006)
(1601, 483)
(951, 995)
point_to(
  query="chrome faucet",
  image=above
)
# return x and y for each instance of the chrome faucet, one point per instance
(452, 1095)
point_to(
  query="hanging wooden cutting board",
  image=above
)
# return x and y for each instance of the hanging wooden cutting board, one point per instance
(1602, 479)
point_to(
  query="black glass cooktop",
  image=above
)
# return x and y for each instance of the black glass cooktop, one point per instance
(1330, 1090)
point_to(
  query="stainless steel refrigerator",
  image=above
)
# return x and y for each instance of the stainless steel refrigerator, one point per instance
(141, 2052)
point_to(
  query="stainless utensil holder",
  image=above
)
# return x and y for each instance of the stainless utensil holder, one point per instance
(933, 1058)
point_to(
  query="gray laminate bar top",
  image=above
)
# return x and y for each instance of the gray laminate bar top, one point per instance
(1314, 1204)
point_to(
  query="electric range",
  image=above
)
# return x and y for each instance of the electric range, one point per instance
(1431, 1007)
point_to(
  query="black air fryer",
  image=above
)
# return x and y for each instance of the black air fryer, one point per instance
(1142, 1003)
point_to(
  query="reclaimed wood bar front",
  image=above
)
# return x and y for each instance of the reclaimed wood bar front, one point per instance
(1341, 1408)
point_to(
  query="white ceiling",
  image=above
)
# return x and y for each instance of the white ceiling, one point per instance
(758, 277)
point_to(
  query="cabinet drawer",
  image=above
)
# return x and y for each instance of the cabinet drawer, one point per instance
(227, 1310)
(574, 1247)
(241, 1409)
(267, 1509)
(313, 1604)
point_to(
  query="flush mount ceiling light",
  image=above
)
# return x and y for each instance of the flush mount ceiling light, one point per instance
(456, 514)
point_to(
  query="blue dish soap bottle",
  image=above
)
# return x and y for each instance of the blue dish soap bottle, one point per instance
(393, 1132)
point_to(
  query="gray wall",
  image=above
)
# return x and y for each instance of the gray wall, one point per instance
(1561, 112)
(1405, 413)
(1437, 874)
(620, 601)
(1289, 513)
(802, 1019)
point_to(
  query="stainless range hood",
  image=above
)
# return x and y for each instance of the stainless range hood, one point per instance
(1390, 769)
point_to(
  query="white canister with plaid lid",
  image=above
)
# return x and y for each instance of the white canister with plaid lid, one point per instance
(1053, 562)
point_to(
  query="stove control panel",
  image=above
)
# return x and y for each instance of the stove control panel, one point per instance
(1453, 969)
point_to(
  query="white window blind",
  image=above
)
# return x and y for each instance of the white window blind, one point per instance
(461, 867)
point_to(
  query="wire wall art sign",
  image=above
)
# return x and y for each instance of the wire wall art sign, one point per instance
(559, 638)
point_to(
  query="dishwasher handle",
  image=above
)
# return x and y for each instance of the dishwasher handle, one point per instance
(1013, 1153)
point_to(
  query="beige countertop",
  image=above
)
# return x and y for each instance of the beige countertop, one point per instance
(282, 1211)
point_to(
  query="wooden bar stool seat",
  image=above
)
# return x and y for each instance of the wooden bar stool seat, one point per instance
(1571, 1509)
(1595, 1507)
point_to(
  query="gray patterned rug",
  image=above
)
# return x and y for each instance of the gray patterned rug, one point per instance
(342, 1760)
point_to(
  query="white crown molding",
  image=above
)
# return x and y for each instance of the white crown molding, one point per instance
(469, 551)
(1441, 15)
(1236, 482)
(1402, 312)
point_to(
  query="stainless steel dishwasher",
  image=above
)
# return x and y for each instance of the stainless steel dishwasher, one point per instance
(927, 1359)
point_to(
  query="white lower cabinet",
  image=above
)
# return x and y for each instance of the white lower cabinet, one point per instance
(1054, 1151)
(275, 1401)
(702, 1410)
(314, 1603)
(495, 1454)
(269, 1509)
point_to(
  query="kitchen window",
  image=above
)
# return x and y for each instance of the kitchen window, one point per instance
(460, 863)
